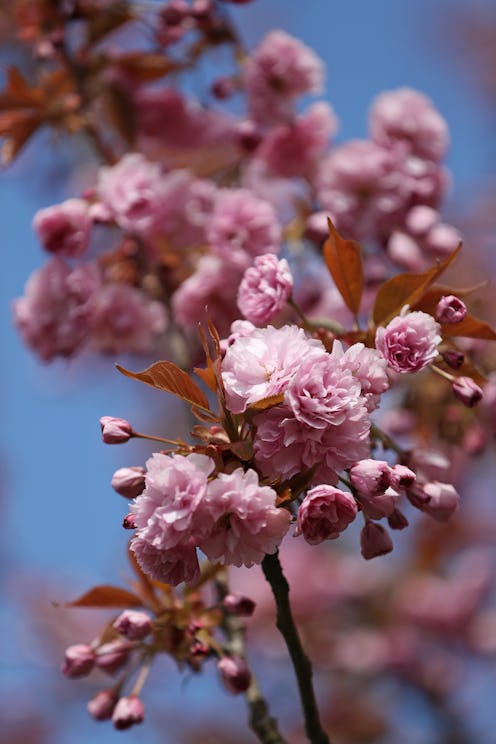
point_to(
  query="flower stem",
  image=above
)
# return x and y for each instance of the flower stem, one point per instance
(262, 724)
(303, 669)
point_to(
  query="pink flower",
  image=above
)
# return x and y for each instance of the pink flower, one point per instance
(450, 309)
(169, 566)
(324, 513)
(211, 289)
(440, 500)
(409, 117)
(249, 525)
(235, 673)
(135, 625)
(55, 315)
(129, 482)
(368, 367)
(243, 226)
(363, 188)
(125, 319)
(115, 430)
(294, 149)
(280, 69)
(64, 229)
(262, 364)
(467, 391)
(264, 289)
(375, 540)
(409, 342)
(128, 712)
(370, 477)
(171, 510)
(132, 192)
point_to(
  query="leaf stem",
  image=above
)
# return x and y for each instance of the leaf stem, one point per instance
(302, 666)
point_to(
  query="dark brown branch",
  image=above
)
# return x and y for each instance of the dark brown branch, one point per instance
(303, 669)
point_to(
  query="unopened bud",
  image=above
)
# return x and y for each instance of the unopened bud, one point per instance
(402, 477)
(440, 500)
(453, 358)
(112, 656)
(129, 482)
(115, 430)
(102, 705)
(134, 625)
(79, 661)
(248, 135)
(129, 522)
(370, 477)
(128, 711)
(239, 605)
(375, 540)
(450, 309)
(223, 88)
(235, 674)
(397, 520)
(467, 391)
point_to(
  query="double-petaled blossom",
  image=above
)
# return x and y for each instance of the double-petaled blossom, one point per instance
(324, 513)
(368, 367)
(409, 342)
(264, 289)
(64, 229)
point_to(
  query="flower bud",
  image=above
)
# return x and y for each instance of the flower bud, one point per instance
(79, 661)
(235, 674)
(397, 520)
(133, 625)
(402, 477)
(440, 500)
(223, 88)
(379, 505)
(450, 309)
(324, 513)
(102, 705)
(467, 391)
(248, 135)
(127, 712)
(370, 477)
(375, 540)
(129, 482)
(129, 522)
(112, 656)
(238, 604)
(453, 358)
(115, 430)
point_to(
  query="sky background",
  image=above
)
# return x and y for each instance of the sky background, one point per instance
(61, 518)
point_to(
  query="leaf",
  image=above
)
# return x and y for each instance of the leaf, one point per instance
(264, 403)
(470, 327)
(406, 289)
(243, 450)
(344, 261)
(171, 378)
(106, 596)
(144, 68)
(208, 376)
(429, 301)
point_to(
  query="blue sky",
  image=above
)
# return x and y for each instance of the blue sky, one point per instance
(60, 516)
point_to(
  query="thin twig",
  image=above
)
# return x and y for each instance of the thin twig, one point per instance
(301, 663)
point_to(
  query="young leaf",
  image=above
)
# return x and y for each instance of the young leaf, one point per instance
(470, 327)
(406, 289)
(344, 261)
(171, 378)
(106, 596)
(429, 301)
(264, 403)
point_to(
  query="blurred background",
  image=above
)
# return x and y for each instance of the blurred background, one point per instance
(62, 521)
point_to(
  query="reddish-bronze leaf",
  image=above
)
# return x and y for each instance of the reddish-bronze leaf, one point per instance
(18, 93)
(171, 378)
(406, 289)
(243, 450)
(470, 327)
(208, 377)
(143, 67)
(106, 596)
(429, 301)
(264, 403)
(344, 261)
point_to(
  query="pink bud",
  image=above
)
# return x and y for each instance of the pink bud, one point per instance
(133, 625)
(235, 674)
(239, 605)
(79, 661)
(129, 482)
(112, 656)
(440, 500)
(453, 358)
(127, 712)
(397, 520)
(379, 505)
(129, 522)
(370, 477)
(248, 135)
(450, 309)
(375, 540)
(402, 477)
(467, 391)
(115, 430)
(324, 513)
(223, 88)
(102, 705)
